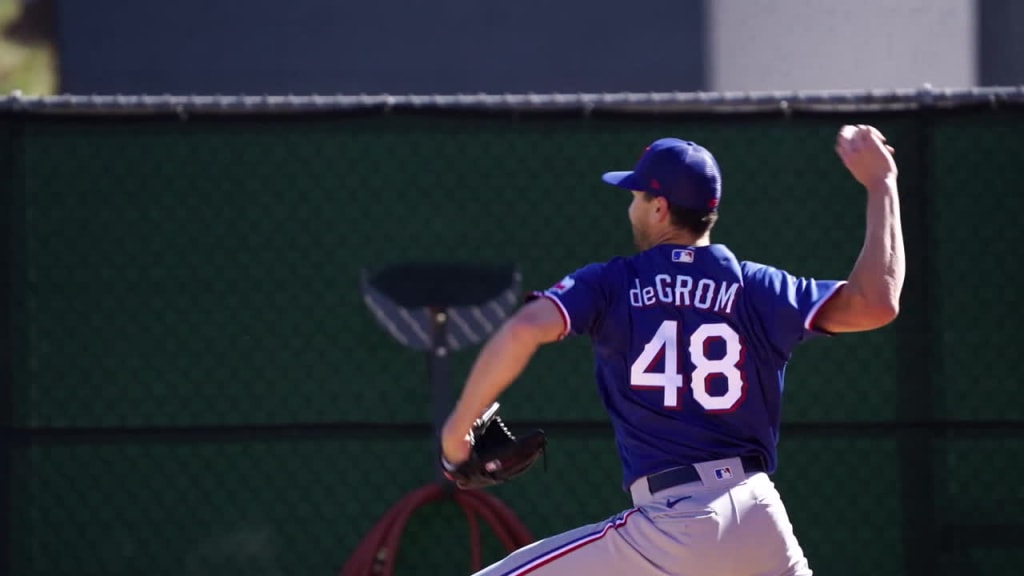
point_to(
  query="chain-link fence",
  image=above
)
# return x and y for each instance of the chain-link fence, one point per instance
(196, 385)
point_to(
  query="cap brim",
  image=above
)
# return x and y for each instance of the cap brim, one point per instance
(621, 179)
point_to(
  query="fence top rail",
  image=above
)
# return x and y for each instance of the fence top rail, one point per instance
(925, 97)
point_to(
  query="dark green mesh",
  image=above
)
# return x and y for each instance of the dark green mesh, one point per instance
(186, 306)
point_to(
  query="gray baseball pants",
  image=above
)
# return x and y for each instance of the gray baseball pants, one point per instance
(726, 524)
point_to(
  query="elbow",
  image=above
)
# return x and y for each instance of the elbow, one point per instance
(883, 313)
(879, 307)
(889, 308)
(851, 311)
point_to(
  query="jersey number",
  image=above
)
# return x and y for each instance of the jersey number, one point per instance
(670, 379)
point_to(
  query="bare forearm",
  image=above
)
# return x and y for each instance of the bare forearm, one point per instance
(877, 277)
(499, 363)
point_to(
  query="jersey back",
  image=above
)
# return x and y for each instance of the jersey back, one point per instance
(690, 348)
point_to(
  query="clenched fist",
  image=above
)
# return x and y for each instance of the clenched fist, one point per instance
(866, 155)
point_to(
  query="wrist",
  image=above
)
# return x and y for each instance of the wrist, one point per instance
(461, 419)
(454, 430)
(883, 185)
(448, 466)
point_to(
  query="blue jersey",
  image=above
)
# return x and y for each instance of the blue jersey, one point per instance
(690, 348)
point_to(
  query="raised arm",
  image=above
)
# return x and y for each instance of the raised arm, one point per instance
(871, 297)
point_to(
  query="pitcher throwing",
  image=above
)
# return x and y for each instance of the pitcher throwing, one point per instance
(690, 346)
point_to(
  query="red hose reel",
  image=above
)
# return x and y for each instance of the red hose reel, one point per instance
(376, 553)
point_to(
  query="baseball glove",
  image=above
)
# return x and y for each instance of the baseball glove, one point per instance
(496, 455)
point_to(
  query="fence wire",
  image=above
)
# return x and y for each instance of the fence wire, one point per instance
(198, 386)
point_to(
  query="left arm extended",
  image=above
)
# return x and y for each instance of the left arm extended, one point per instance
(502, 359)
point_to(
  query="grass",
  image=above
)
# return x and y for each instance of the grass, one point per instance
(29, 69)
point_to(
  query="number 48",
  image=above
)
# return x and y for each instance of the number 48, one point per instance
(671, 380)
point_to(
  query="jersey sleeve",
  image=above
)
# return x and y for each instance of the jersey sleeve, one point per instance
(787, 304)
(580, 297)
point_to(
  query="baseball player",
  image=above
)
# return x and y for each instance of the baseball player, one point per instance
(690, 345)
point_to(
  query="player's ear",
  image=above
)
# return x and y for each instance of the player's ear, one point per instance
(661, 208)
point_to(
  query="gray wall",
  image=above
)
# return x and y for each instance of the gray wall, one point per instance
(834, 45)
(1001, 31)
(373, 46)
(451, 46)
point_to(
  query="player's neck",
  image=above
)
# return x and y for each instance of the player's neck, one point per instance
(678, 237)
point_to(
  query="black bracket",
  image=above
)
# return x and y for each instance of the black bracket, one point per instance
(440, 308)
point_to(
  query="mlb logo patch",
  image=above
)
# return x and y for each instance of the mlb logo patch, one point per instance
(682, 256)
(563, 285)
(723, 473)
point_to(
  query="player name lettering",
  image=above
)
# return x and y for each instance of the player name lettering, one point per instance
(682, 290)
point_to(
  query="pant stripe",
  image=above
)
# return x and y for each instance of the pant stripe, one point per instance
(576, 544)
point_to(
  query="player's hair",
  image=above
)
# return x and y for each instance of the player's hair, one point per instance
(698, 222)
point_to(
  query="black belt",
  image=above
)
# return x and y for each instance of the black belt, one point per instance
(686, 474)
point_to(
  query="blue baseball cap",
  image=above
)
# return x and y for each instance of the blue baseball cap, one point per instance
(682, 172)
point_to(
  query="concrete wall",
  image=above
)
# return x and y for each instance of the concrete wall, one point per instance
(825, 44)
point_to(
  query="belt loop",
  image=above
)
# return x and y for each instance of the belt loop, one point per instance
(640, 492)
